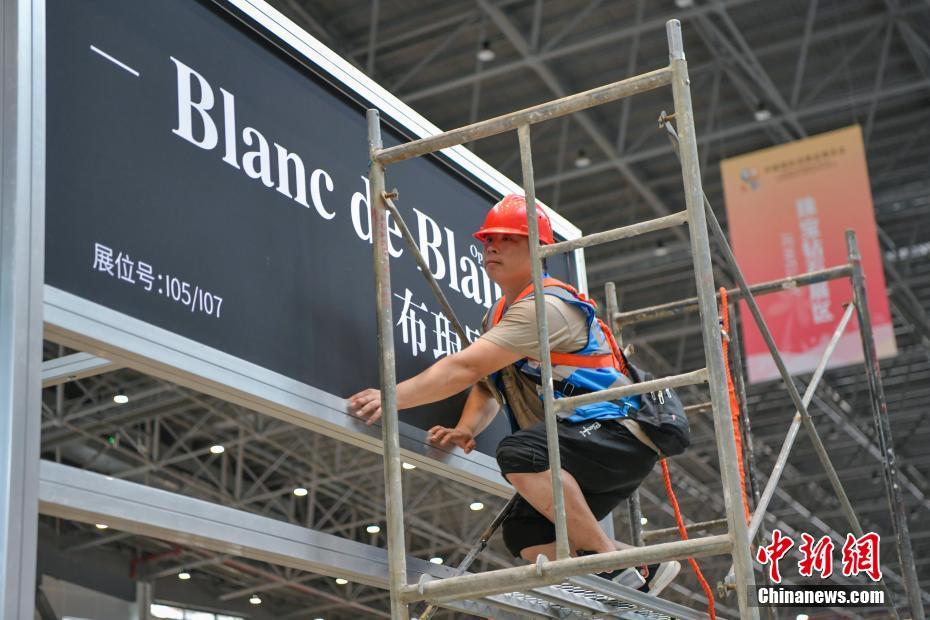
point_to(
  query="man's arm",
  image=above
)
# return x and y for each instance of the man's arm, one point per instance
(445, 378)
(479, 410)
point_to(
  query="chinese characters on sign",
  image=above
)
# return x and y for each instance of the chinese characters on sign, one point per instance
(412, 322)
(123, 267)
(860, 556)
(812, 247)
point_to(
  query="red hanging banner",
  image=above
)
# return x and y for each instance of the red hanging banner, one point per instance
(788, 208)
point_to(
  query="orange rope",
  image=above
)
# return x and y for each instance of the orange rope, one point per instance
(734, 403)
(684, 536)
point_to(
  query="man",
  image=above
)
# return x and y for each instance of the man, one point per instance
(605, 454)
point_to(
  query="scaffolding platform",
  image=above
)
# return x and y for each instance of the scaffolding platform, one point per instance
(578, 597)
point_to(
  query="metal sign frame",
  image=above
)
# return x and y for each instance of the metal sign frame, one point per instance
(22, 265)
(126, 341)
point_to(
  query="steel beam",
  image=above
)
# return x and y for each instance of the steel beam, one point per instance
(608, 38)
(84, 496)
(802, 53)
(733, 131)
(75, 366)
(373, 37)
(620, 142)
(430, 56)
(876, 89)
(79, 495)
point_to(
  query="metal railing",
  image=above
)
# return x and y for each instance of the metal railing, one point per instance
(700, 218)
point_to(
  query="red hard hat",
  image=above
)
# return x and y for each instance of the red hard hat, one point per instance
(509, 216)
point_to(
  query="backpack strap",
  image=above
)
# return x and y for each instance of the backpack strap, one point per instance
(615, 359)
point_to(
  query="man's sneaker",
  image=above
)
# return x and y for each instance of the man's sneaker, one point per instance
(629, 577)
(656, 577)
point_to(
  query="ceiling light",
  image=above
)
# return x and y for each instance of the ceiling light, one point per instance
(762, 113)
(255, 600)
(486, 54)
(582, 161)
(660, 250)
(120, 398)
(184, 575)
(476, 506)
(300, 491)
(408, 466)
(373, 529)
(340, 581)
(801, 617)
(684, 4)
(217, 449)
(436, 560)
(643, 520)
(101, 526)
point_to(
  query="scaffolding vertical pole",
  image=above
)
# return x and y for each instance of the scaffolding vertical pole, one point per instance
(737, 371)
(393, 492)
(612, 307)
(896, 503)
(704, 276)
(552, 431)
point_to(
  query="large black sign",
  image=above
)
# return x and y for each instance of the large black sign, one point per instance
(201, 179)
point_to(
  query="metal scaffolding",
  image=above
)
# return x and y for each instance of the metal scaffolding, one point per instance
(700, 218)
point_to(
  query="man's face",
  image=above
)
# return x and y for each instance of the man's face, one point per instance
(507, 258)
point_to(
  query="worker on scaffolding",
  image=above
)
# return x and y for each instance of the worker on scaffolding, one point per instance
(605, 455)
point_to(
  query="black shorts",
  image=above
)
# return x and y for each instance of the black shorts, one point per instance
(605, 458)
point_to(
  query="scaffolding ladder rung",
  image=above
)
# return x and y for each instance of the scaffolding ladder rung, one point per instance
(690, 305)
(655, 385)
(542, 112)
(522, 578)
(615, 234)
(701, 526)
